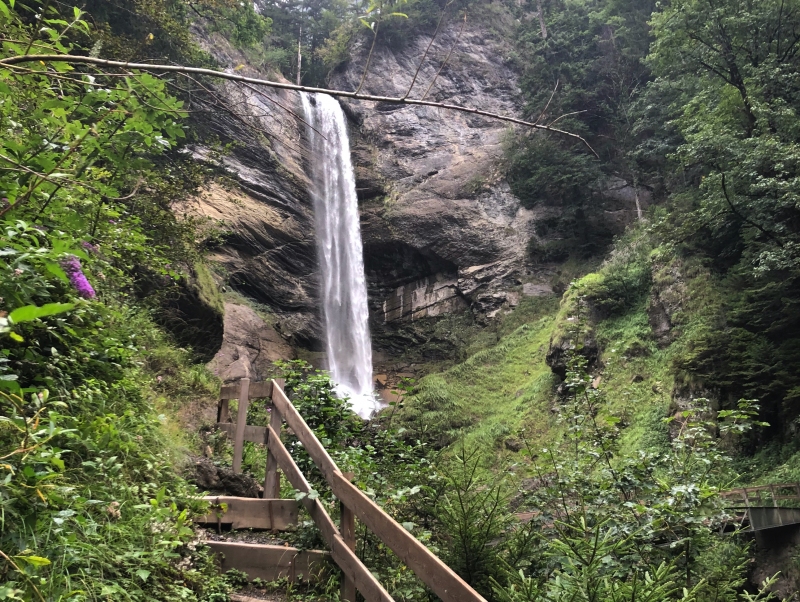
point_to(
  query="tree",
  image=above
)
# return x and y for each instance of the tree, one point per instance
(736, 63)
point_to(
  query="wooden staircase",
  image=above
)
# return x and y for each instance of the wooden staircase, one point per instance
(270, 562)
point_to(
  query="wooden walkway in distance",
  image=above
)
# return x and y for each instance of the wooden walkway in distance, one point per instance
(766, 506)
(274, 513)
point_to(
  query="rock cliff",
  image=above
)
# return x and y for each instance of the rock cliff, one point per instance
(434, 198)
(442, 231)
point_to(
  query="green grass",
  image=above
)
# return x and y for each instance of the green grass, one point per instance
(494, 394)
(505, 391)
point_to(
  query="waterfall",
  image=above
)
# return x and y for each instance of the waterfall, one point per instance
(344, 287)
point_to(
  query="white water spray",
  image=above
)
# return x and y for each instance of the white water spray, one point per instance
(344, 287)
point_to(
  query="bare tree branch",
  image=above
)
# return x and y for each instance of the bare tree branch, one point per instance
(369, 57)
(425, 55)
(285, 108)
(541, 19)
(557, 119)
(743, 217)
(89, 60)
(449, 54)
(547, 106)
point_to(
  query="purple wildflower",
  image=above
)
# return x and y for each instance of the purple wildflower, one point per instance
(89, 246)
(72, 266)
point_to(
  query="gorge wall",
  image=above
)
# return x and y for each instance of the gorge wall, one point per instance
(441, 228)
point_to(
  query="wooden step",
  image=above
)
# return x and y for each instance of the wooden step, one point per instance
(250, 513)
(256, 434)
(260, 561)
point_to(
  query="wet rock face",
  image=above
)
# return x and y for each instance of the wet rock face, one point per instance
(266, 245)
(431, 184)
(557, 357)
(443, 191)
(666, 301)
(427, 298)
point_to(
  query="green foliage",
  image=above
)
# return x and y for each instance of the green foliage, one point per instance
(389, 465)
(239, 23)
(78, 146)
(624, 279)
(91, 503)
(737, 114)
(542, 171)
(610, 526)
(586, 74)
(494, 392)
(472, 515)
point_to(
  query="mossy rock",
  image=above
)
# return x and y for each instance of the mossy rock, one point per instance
(574, 328)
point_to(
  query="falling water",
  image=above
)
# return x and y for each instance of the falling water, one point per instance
(344, 288)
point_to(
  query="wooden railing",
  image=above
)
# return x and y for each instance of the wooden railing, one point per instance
(440, 578)
(759, 494)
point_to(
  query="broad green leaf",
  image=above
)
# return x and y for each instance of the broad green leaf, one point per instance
(32, 312)
(56, 271)
(6, 591)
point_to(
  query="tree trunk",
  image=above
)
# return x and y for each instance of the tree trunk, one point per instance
(541, 19)
(299, 54)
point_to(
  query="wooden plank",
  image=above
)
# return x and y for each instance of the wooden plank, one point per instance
(347, 529)
(223, 413)
(444, 582)
(241, 423)
(269, 562)
(255, 434)
(272, 479)
(344, 557)
(251, 513)
(260, 390)
(257, 390)
(296, 422)
(229, 392)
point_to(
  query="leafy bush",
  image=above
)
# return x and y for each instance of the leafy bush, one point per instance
(642, 526)
(91, 502)
(542, 171)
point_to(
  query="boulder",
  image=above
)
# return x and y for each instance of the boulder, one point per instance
(249, 346)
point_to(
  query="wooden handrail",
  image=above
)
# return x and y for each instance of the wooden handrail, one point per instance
(741, 490)
(442, 580)
(346, 558)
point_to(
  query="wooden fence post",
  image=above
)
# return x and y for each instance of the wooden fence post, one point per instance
(241, 422)
(272, 480)
(223, 414)
(347, 529)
